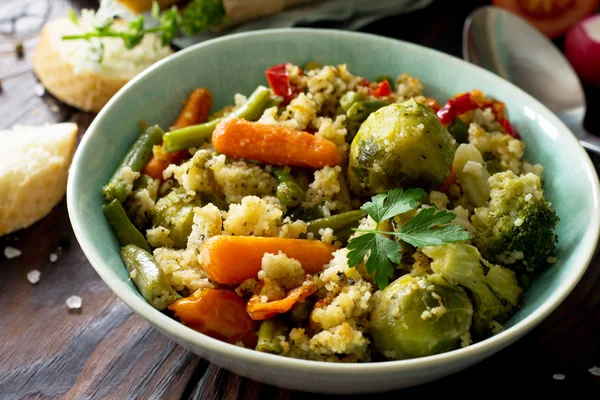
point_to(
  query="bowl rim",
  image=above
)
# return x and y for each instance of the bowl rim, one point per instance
(252, 357)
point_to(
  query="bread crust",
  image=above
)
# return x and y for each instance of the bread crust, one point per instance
(87, 91)
(29, 192)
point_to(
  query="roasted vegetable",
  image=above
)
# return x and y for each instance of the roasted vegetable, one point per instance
(417, 316)
(517, 228)
(230, 260)
(400, 145)
(126, 232)
(148, 276)
(175, 211)
(495, 293)
(219, 313)
(135, 159)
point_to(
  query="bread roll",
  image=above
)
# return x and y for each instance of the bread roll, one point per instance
(68, 70)
(33, 172)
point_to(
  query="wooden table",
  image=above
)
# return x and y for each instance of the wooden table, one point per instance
(106, 351)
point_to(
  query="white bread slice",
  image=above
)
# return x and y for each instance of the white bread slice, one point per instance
(33, 172)
(65, 69)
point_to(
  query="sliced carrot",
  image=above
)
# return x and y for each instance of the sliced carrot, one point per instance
(230, 260)
(272, 144)
(261, 311)
(161, 160)
(196, 109)
(450, 180)
(218, 313)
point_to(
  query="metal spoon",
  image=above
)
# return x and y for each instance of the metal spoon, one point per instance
(509, 46)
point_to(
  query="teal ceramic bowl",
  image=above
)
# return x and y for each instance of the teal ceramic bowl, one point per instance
(236, 64)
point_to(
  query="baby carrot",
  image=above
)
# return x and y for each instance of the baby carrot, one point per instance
(230, 260)
(161, 160)
(218, 313)
(271, 144)
(259, 311)
(196, 109)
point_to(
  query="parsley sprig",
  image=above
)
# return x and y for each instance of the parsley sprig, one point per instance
(427, 228)
(197, 17)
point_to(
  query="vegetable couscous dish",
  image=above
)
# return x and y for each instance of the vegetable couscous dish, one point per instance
(335, 218)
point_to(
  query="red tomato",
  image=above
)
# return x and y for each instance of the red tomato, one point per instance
(552, 17)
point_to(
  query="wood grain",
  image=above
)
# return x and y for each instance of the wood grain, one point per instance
(106, 351)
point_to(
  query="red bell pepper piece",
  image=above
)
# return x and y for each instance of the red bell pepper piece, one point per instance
(382, 90)
(508, 128)
(456, 106)
(278, 79)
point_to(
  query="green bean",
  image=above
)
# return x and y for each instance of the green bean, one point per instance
(344, 194)
(137, 157)
(141, 182)
(197, 135)
(335, 222)
(349, 99)
(300, 312)
(387, 78)
(267, 336)
(306, 214)
(216, 199)
(274, 102)
(459, 130)
(343, 235)
(126, 232)
(362, 109)
(148, 276)
(289, 191)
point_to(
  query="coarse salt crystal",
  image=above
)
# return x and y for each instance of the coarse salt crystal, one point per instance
(11, 252)
(528, 197)
(33, 276)
(39, 90)
(558, 377)
(53, 257)
(74, 302)
(595, 371)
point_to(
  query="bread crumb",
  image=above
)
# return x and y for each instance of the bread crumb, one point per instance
(74, 302)
(33, 276)
(11, 252)
(53, 257)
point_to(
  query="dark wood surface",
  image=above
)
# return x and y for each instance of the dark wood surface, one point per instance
(106, 351)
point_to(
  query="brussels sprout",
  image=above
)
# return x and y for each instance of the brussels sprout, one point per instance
(417, 316)
(400, 145)
(175, 211)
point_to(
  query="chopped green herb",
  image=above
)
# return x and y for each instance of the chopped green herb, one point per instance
(422, 230)
(197, 17)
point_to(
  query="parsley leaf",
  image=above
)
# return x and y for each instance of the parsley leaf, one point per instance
(398, 202)
(382, 251)
(420, 231)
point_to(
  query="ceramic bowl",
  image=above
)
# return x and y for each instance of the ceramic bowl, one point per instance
(236, 64)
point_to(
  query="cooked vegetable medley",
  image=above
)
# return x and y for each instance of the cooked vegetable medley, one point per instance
(333, 218)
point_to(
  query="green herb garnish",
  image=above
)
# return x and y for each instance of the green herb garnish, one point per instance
(197, 17)
(420, 231)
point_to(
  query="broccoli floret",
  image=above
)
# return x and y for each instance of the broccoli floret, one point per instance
(517, 229)
(494, 289)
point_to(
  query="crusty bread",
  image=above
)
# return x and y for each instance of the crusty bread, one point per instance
(33, 172)
(66, 72)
